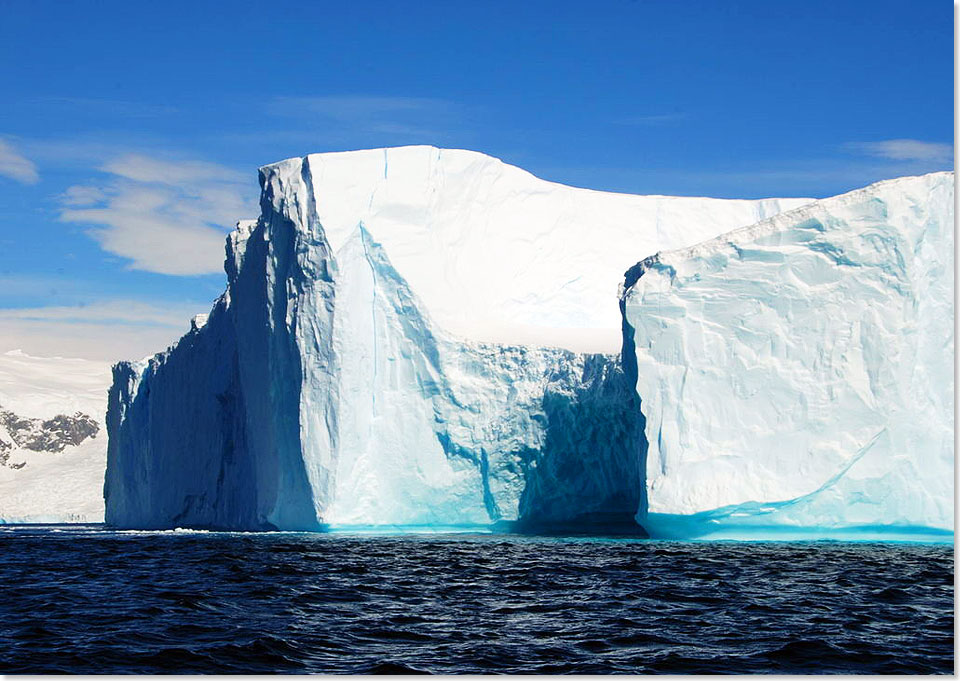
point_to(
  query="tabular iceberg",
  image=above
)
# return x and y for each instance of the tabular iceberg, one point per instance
(799, 372)
(397, 345)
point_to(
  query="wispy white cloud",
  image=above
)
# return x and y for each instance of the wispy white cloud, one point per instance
(16, 166)
(141, 168)
(175, 315)
(105, 330)
(165, 216)
(651, 119)
(817, 178)
(355, 108)
(371, 119)
(905, 150)
(82, 195)
(103, 107)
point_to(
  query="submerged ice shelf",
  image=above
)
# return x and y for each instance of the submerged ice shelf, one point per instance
(422, 338)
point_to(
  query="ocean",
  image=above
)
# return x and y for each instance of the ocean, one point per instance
(86, 599)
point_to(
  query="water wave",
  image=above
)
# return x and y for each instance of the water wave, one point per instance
(89, 600)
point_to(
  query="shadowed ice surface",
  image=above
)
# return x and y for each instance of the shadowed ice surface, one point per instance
(89, 600)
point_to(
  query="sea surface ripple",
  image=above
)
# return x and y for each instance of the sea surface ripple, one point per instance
(88, 600)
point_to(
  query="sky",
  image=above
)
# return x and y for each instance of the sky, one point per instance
(130, 133)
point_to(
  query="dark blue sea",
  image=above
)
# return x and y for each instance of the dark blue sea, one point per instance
(88, 600)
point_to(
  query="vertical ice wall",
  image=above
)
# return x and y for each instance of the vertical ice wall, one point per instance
(212, 432)
(799, 372)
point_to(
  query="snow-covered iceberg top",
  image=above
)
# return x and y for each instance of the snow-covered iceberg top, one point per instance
(497, 254)
(800, 371)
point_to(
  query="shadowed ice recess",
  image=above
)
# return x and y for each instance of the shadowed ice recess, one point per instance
(419, 338)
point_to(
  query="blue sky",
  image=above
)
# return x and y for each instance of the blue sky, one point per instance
(130, 133)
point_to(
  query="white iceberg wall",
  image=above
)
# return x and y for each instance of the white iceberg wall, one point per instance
(591, 464)
(283, 324)
(434, 430)
(799, 372)
(181, 457)
(392, 468)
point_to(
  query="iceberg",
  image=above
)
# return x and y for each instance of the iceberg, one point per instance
(418, 337)
(797, 374)
(409, 337)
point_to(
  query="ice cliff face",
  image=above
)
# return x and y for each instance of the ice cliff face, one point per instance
(349, 374)
(799, 372)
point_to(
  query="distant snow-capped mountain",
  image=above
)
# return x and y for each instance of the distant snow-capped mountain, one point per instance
(52, 438)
